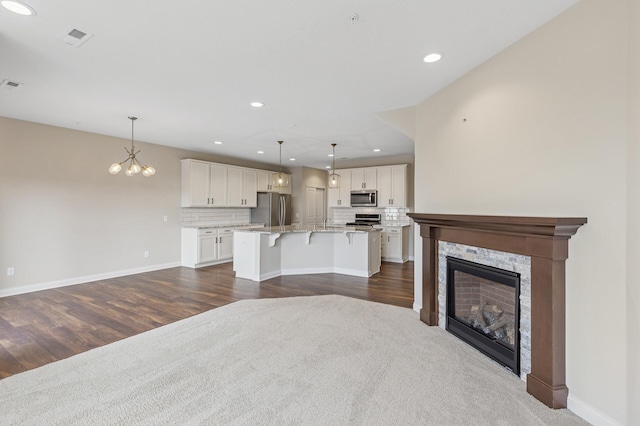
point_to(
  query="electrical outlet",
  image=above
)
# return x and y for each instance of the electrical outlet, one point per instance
(146, 253)
(11, 272)
(166, 218)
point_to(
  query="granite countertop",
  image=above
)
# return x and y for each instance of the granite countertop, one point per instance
(310, 228)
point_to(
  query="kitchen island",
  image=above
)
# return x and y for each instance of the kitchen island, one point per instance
(263, 253)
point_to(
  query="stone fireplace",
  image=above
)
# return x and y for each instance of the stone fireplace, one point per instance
(483, 309)
(544, 243)
(515, 263)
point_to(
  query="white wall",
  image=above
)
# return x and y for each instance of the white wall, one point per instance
(633, 231)
(546, 135)
(63, 216)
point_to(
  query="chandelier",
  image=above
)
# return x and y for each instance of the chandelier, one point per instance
(280, 180)
(334, 178)
(135, 166)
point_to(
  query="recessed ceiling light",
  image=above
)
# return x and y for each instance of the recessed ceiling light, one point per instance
(292, 159)
(18, 7)
(327, 167)
(376, 150)
(433, 57)
(260, 152)
(217, 142)
(330, 155)
(257, 104)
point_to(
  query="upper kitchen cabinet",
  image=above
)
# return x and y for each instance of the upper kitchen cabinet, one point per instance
(265, 182)
(242, 187)
(392, 186)
(340, 197)
(203, 184)
(363, 178)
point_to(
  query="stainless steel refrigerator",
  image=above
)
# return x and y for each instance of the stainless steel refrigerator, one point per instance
(273, 209)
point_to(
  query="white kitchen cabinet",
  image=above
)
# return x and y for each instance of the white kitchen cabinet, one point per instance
(395, 243)
(203, 184)
(340, 197)
(207, 246)
(242, 187)
(225, 243)
(265, 182)
(263, 179)
(392, 186)
(363, 178)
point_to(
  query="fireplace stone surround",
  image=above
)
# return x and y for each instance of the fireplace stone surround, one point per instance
(546, 241)
(497, 259)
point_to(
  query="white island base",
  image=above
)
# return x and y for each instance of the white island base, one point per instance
(264, 254)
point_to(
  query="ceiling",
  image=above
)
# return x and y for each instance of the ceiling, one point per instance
(189, 70)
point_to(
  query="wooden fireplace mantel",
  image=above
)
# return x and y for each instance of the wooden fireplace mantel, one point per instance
(546, 241)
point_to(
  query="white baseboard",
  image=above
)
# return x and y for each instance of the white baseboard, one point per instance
(590, 413)
(417, 307)
(84, 279)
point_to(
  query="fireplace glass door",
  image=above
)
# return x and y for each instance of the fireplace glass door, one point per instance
(483, 309)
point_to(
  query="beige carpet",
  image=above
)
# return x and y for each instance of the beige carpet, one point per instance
(324, 360)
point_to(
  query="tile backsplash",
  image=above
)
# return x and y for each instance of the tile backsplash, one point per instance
(206, 216)
(389, 214)
(212, 216)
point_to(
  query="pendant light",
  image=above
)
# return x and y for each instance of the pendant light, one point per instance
(334, 178)
(279, 179)
(135, 166)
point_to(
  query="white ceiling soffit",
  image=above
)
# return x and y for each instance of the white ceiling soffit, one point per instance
(401, 119)
(189, 70)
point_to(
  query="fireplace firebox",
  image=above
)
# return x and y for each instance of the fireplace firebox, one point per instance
(483, 309)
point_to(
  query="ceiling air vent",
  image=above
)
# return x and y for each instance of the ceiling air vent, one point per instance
(10, 85)
(74, 37)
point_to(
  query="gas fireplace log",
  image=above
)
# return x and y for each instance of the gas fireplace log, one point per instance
(501, 322)
(485, 314)
(477, 315)
(492, 320)
(492, 313)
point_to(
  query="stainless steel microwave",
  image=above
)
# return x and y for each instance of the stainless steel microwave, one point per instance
(364, 198)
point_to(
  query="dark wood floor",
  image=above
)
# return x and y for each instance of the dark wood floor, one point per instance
(46, 326)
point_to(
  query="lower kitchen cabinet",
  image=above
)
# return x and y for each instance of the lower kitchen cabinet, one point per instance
(206, 246)
(395, 243)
